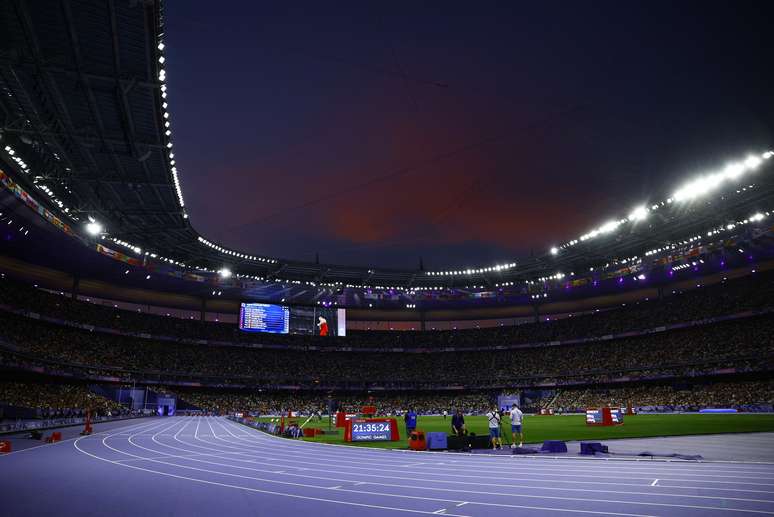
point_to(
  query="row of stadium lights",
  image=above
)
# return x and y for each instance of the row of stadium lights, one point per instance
(473, 271)
(235, 254)
(167, 126)
(22, 229)
(21, 163)
(45, 189)
(757, 217)
(688, 192)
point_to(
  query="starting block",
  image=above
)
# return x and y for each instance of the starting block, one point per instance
(5, 446)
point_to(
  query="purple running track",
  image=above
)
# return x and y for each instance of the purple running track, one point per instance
(190, 466)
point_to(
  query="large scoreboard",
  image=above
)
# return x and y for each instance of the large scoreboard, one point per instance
(281, 319)
(371, 430)
(264, 317)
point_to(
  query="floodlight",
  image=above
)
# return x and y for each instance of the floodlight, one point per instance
(94, 228)
(639, 213)
(225, 272)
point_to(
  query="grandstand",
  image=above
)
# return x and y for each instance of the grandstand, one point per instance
(116, 311)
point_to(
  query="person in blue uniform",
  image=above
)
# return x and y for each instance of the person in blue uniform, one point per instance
(411, 420)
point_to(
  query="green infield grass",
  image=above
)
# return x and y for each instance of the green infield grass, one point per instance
(573, 427)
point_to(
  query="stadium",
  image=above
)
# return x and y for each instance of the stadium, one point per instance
(157, 361)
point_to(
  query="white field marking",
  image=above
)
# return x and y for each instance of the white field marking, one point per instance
(335, 487)
(654, 482)
(449, 490)
(440, 512)
(548, 471)
(284, 458)
(350, 503)
(36, 447)
(306, 462)
(675, 464)
(463, 503)
(358, 483)
(230, 465)
(256, 490)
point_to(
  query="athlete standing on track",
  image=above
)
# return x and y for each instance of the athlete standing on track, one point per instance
(516, 419)
(494, 427)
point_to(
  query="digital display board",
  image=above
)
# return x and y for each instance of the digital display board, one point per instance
(594, 416)
(371, 431)
(264, 317)
(615, 416)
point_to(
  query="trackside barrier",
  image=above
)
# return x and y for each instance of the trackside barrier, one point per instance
(5, 446)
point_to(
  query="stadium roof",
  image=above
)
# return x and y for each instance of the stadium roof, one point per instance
(85, 127)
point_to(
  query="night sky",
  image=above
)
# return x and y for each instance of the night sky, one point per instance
(378, 133)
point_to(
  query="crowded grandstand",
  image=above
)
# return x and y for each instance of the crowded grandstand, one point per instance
(155, 348)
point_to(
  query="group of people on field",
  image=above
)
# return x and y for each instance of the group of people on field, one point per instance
(494, 419)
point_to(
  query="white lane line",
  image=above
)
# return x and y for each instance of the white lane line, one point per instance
(435, 489)
(654, 482)
(284, 458)
(463, 503)
(253, 462)
(36, 447)
(233, 466)
(256, 490)
(546, 472)
(442, 511)
(350, 503)
(335, 487)
(558, 462)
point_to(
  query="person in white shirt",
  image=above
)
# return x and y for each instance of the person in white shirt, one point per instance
(493, 417)
(445, 414)
(516, 420)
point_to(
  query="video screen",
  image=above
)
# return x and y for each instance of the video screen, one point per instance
(278, 319)
(264, 317)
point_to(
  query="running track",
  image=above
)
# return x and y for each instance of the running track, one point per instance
(190, 466)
